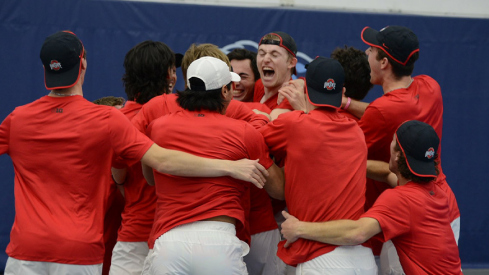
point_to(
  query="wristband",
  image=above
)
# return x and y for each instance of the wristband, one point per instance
(347, 103)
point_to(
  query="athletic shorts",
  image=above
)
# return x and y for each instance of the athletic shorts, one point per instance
(263, 259)
(203, 247)
(344, 260)
(128, 258)
(17, 267)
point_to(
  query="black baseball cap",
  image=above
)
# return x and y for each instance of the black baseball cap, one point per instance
(419, 143)
(398, 42)
(325, 78)
(286, 42)
(61, 54)
(178, 60)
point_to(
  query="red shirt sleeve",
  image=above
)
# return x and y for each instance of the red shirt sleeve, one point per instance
(275, 134)
(392, 212)
(150, 111)
(127, 141)
(238, 110)
(5, 135)
(257, 149)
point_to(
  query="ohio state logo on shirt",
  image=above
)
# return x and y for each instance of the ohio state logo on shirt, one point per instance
(55, 65)
(430, 153)
(330, 84)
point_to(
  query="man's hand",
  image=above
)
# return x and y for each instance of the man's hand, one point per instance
(293, 91)
(290, 228)
(249, 170)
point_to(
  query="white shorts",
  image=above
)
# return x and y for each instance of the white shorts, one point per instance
(344, 260)
(263, 259)
(128, 258)
(17, 267)
(203, 247)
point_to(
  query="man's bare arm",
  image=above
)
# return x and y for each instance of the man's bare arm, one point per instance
(356, 108)
(379, 171)
(148, 174)
(187, 165)
(275, 185)
(339, 232)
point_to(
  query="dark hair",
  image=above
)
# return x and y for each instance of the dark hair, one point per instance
(146, 68)
(407, 174)
(110, 101)
(357, 71)
(398, 69)
(243, 54)
(210, 100)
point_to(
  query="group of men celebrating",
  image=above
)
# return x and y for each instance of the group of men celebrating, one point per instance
(205, 176)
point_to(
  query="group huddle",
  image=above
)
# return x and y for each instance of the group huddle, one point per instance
(248, 170)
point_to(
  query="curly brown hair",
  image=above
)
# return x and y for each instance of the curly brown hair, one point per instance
(357, 71)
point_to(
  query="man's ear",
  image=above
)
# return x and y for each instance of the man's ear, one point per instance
(344, 90)
(384, 62)
(84, 64)
(225, 92)
(398, 154)
(293, 62)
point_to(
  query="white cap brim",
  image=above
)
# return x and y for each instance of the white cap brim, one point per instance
(235, 77)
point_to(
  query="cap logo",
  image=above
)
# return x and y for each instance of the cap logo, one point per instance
(55, 65)
(430, 153)
(330, 84)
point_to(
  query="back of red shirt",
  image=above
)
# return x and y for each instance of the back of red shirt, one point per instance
(62, 150)
(325, 167)
(207, 134)
(416, 218)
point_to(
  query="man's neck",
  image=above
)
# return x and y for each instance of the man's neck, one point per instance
(392, 84)
(75, 90)
(402, 180)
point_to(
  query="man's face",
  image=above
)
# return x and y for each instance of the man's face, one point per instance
(394, 156)
(274, 65)
(374, 64)
(173, 78)
(244, 89)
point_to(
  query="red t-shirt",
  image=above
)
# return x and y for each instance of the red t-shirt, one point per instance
(348, 114)
(416, 218)
(259, 106)
(271, 103)
(207, 134)
(167, 104)
(62, 150)
(421, 101)
(140, 197)
(325, 168)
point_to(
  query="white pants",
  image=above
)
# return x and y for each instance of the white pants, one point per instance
(20, 267)
(263, 259)
(389, 260)
(344, 260)
(203, 248)
(128, 258)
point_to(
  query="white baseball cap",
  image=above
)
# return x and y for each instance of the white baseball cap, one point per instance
(213, 72)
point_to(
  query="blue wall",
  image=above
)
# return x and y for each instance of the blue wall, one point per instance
(453, 51)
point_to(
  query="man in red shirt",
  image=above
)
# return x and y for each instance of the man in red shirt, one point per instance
(391, 56)
(62, 148)
(265, 235)
(414, 215)
(276, 62)
(198, 222)
(147, 62)
(318, 188)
